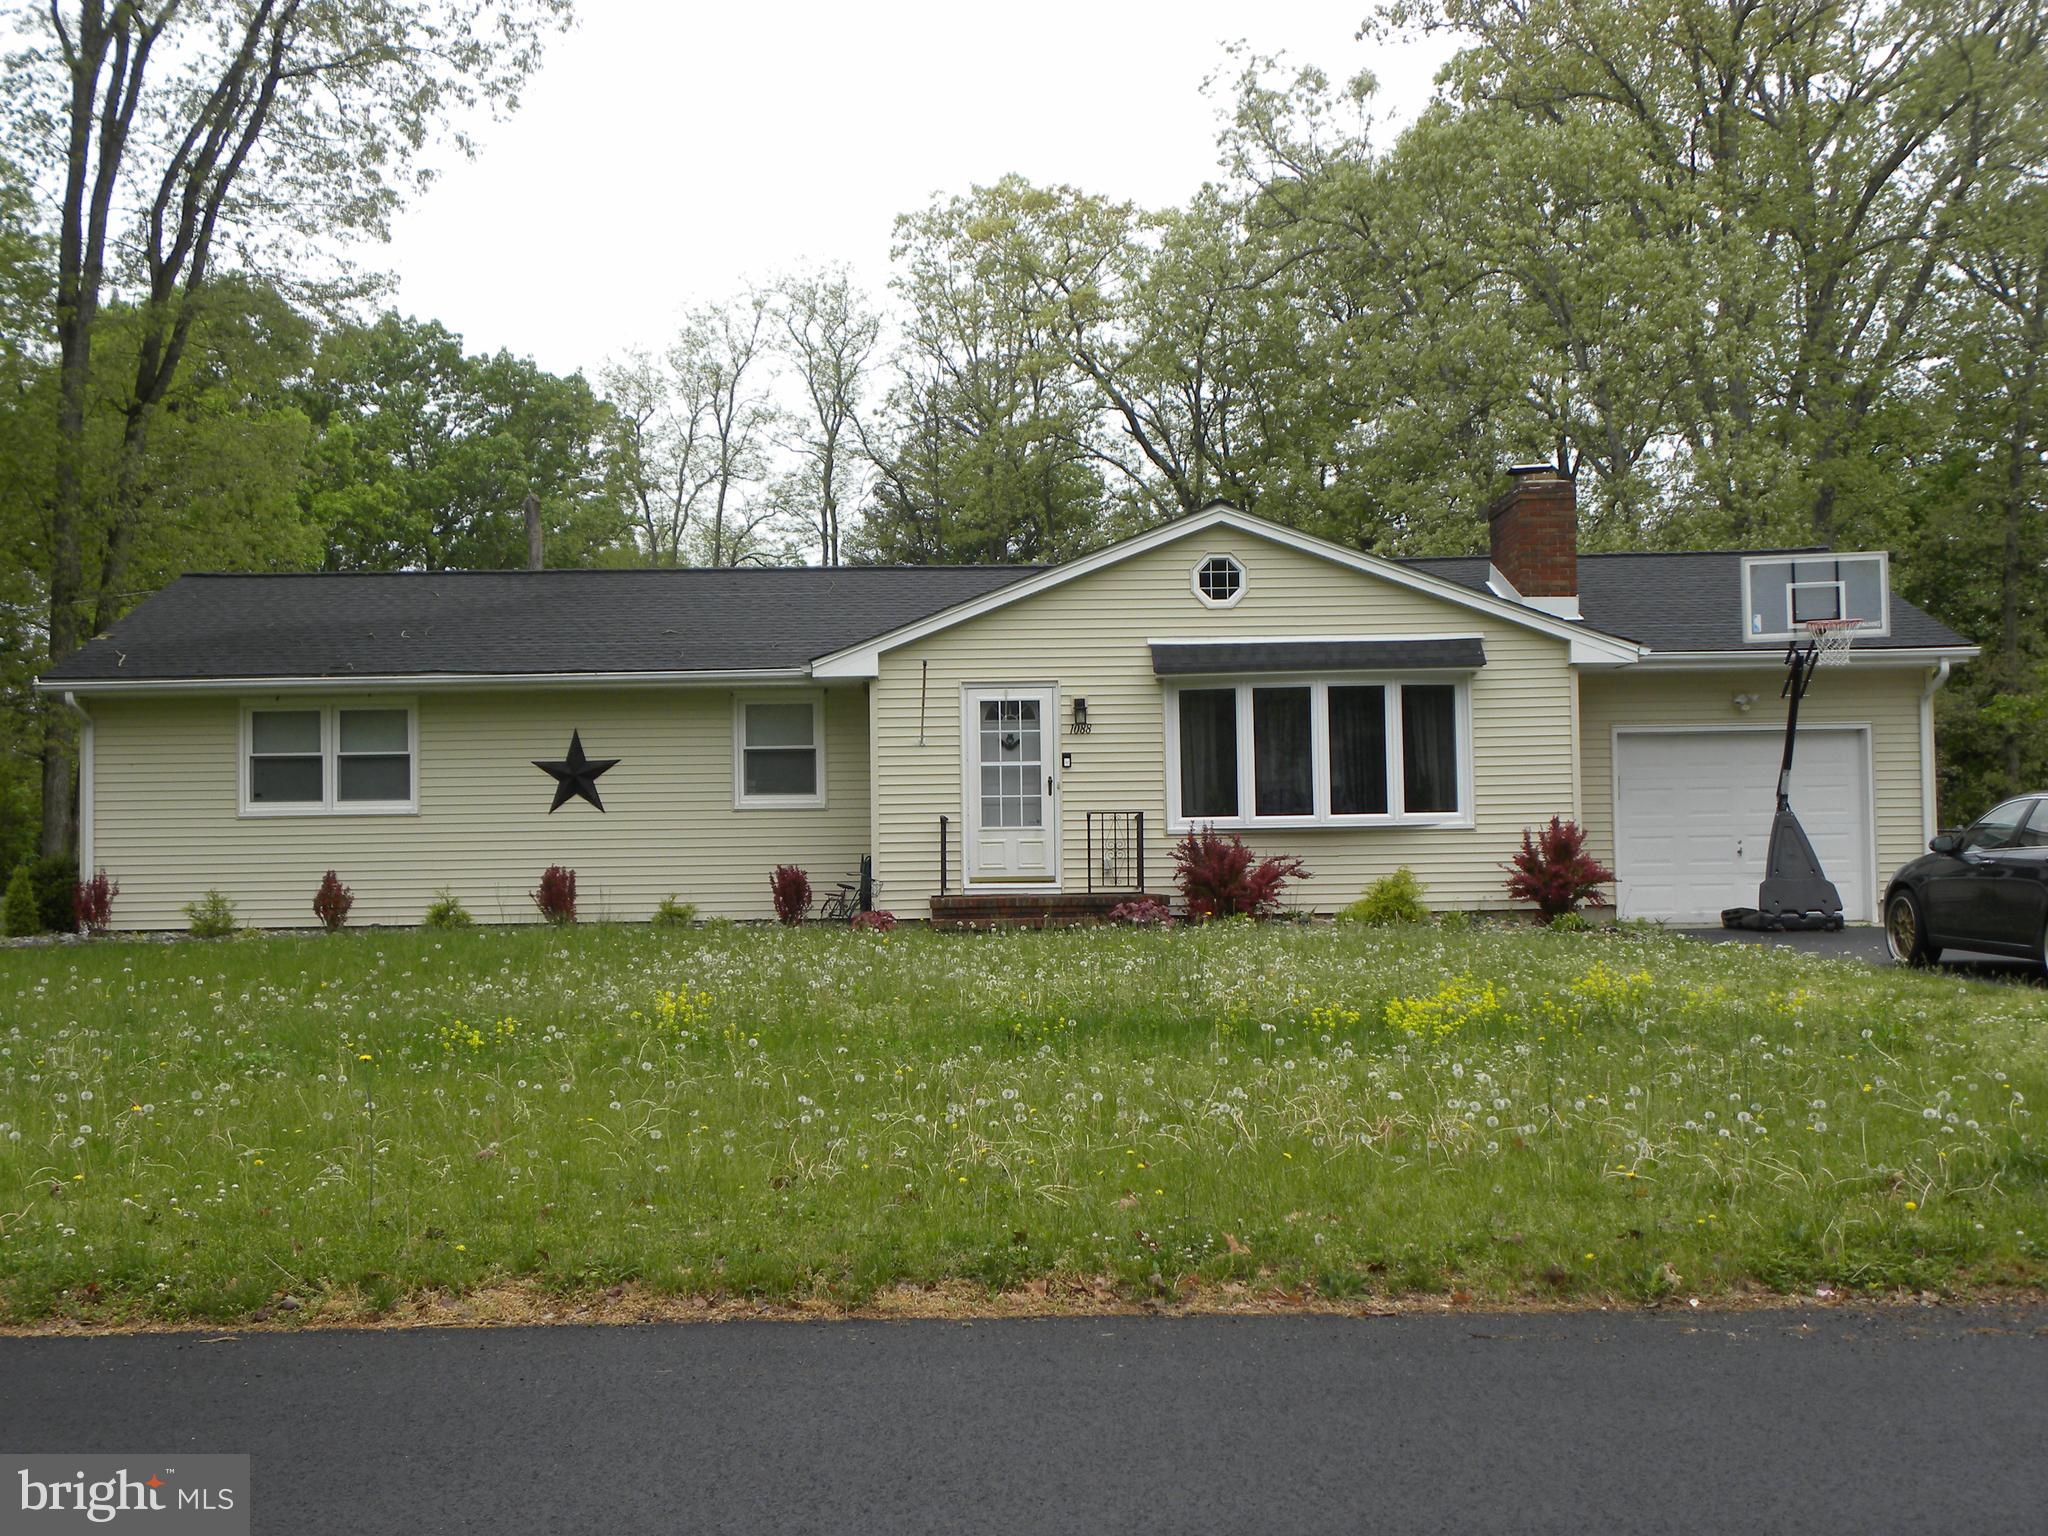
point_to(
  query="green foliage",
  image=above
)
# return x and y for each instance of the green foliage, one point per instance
(1394, 898)
(423, 456)
(1570, 922)
(673, 914)
(212, 916)
(18, 910)
(55, 877)
(445, 911)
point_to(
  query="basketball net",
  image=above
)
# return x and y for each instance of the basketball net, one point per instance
(1832, 640)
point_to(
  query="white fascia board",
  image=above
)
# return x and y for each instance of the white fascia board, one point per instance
(1588, 646)
(419, 681)
(1768, 656)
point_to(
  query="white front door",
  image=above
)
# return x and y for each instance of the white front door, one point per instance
(1693, 812)
(1012, 825)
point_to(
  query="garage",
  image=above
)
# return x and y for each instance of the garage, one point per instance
(1692, 817)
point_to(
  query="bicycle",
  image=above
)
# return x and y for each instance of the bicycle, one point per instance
(843, 905)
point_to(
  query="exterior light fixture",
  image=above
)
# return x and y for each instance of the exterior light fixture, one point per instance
(1081, 726)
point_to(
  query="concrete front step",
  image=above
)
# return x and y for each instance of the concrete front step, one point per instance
(1024, 909)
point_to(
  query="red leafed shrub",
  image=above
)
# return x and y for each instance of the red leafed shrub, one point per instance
(556, 897)
(1218, 878)
(791, 888)
(92, 902)
(332, 901)
(874, 922)
(1145, 912)
(1553, 869)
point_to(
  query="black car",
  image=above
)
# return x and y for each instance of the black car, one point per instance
(1985, 888)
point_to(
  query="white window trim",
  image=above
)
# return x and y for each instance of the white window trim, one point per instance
(330, 740)
(741, 800)
(1319, 739)
(1244, 580)
(1878, 631)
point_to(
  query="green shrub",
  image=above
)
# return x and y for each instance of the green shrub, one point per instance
(212, 916)
(1457, 920)
(56, 879)
(19, 908)
(673, 914)
(1395, 898)
(445, 911)
(1571, 922)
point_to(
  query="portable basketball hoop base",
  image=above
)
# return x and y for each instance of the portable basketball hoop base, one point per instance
(1796, 892)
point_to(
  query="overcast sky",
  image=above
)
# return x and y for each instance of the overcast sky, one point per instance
(668, 152)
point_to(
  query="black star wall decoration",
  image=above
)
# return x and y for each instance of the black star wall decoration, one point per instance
(576, 774)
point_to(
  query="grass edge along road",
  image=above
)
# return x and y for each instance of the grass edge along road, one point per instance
(295, 1126)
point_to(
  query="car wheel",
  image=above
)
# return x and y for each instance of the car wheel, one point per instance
(1905, 931)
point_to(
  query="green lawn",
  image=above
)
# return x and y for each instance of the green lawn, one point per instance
(192, 1130)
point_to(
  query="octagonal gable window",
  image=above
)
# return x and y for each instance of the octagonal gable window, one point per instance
(1219, 580)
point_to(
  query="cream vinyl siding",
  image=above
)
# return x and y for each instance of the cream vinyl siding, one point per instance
(1886, 699)
(165, 823)
(1089, 636)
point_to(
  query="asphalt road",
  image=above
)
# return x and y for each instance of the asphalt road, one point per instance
(1821, 1420)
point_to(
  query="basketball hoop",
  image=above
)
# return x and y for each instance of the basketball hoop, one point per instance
(1832, 640)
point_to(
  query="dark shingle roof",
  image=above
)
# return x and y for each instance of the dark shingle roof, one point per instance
(510, 622)
(521, 622)
(1683, 602)
(1185, 658)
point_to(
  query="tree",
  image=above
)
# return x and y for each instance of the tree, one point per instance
(655, 455)
(25, 411)
(171, 123)
(1813, 163)
(830, 334)
(423, 455)
(985, 449)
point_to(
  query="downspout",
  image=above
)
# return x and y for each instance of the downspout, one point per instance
(85, 776)
(1936, 676)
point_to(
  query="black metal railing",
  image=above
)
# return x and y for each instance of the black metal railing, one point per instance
(944, 822)
(1116, 850)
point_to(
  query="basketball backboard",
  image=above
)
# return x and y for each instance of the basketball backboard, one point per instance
(1781, 593)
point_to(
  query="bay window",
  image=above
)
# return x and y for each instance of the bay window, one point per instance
(306, 760)
(1311, 752)
(1208, 758)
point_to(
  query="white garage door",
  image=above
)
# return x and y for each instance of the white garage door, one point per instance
(1692, 812)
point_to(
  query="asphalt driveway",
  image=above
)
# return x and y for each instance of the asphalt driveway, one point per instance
(1867, 944)
(1814, 1420)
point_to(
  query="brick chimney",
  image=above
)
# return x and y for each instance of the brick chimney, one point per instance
(1534, 532)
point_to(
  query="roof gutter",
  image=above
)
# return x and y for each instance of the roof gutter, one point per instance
(1763, 656)
(417, 681)
(1929, 783)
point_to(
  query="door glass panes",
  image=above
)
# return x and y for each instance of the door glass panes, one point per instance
(284, 756)
(1358, 751)
(1284, 778)
(2036, 833)
(1997, 828)
(1012, 763)
(1208, 752)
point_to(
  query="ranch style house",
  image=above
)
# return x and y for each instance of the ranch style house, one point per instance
(1001, 740)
